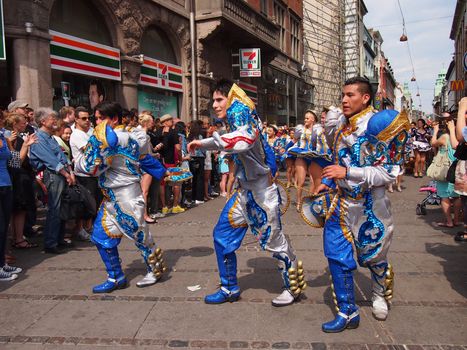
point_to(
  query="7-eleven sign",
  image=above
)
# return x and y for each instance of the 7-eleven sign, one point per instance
(250, 62)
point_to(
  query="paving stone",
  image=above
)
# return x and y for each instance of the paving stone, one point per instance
(178, 344)
(301, 345)
(237, 344)
(281, 345)
(260, 345)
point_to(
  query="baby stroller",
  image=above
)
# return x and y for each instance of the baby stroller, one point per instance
(431, 198)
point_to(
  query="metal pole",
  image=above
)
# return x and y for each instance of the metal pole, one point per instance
(194, 106)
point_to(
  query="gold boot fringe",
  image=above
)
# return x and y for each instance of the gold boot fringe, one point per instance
(157, 261)
(334, 296)
(389, 283)
(297, 279)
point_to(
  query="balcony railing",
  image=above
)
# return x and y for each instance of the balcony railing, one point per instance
(242, 15)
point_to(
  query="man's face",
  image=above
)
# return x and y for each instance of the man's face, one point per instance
(50, 123)
(83, 122)
(353, 101)
(21, 110)
(219, 105)
(94, 97)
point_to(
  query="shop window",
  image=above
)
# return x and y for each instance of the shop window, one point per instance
(156, 44)
(81, 19)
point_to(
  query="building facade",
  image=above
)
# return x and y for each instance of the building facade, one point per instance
(323, 57)
(137, 52)
(223, 27)
(459, 35)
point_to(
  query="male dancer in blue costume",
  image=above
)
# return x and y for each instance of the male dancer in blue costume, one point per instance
(365, 148)
(117, 156)
(255, 204)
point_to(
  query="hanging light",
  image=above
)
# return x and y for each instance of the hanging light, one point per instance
(413, 78)
(418, 94)
(403, 37)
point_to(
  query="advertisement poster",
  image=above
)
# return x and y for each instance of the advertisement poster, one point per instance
(159, 104)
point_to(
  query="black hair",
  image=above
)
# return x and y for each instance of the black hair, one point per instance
(223, 86)
(180, 128)
(110, 110)
(80, 109)
(196, 129)
(364, 86)
(99, 87)
(422, 120)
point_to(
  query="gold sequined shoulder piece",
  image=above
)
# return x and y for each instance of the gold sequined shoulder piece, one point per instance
(400, 123)
(236, 93)
(99, 133)
(354, 119)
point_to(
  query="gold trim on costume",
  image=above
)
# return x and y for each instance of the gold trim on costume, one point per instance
(99, 133)
(400, 123)
(106, 229)
(230, 215)
(345, 230)
(353, 120)
(236, 93)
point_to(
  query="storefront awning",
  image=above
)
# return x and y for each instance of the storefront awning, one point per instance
(71, 54)
(250, 90)
(161, 75)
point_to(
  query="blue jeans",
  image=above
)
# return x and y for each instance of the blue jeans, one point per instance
(6, 206)
(54, 228)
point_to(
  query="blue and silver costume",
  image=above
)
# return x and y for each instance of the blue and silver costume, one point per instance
(255, 204)
(117, 156)
(357, 211)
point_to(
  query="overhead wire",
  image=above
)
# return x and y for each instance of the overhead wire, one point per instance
(404, 30)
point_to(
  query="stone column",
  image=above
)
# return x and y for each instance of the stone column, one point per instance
(32, 76)
(128, 89)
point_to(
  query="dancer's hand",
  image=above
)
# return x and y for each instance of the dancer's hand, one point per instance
(193, 145)
(321, 188)
(335, 172)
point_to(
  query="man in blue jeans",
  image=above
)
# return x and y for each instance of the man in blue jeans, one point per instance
(47, 155)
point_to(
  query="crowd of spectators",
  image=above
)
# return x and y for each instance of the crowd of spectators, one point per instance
(38, 149)
(37, 154)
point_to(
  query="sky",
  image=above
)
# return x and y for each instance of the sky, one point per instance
(428, 24)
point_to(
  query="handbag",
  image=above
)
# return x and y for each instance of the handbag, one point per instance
(77, 203)
(439, 167)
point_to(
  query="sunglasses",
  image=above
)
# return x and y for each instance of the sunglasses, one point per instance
(84, 118)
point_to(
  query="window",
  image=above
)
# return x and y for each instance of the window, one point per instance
(294, 38)
(279, 15)
(264, 7)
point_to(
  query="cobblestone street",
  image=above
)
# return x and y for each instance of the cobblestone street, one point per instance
(51, 304)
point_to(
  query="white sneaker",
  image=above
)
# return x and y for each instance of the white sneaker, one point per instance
(284, 299)
(157, 215)
(199, 202)
(83, 235)
(379, 308)
(214, 194)
(147, 280)
(12, 269)
(6, 276)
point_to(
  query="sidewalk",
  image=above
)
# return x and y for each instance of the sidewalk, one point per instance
(51, 305)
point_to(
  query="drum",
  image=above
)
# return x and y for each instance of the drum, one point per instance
(177, 176)
(315, 208)
(284, 196)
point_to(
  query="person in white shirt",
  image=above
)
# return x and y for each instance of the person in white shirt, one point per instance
(79, 139)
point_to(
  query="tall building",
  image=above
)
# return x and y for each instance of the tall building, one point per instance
(224, 27)
(459, 35)
(354, 11)
(438, 99)
(140, 52)
(323, 56)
